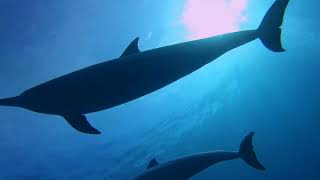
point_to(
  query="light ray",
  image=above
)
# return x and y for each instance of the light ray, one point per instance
(205, 18)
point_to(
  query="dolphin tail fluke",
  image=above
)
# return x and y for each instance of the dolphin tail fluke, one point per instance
(9, 101)
(247, 153)
(270, 27)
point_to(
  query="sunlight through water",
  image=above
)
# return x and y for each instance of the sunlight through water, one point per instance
(205, 18)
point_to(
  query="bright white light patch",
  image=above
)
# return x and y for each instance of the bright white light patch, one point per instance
(205, 18)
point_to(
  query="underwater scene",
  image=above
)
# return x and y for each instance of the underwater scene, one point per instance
(159, 90)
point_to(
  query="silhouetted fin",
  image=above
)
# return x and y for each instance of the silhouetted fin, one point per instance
(152, 163)
(272, 40)
(269, 29)
(247, 153)
(132, 48)
(80, 123)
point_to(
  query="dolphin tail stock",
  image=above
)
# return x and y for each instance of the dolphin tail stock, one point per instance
(247, 153)
(270, 27)
(9, 101)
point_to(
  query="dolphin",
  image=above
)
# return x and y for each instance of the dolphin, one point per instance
(186, 167)
(135, 73)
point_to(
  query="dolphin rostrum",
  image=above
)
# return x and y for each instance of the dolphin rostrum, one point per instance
(186, 167)
(136, 73)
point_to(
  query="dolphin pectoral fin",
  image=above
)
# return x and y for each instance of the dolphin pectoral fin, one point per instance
(80, 123)
(132, 48)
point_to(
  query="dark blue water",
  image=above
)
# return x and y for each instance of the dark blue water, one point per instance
(248, 89)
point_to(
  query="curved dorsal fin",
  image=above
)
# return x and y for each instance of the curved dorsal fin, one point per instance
(132, 48)
(152, 163)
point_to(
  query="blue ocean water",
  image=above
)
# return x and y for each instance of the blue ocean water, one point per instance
(248, 89)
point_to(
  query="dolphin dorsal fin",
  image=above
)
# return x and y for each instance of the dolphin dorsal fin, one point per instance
(152, 163)
(132, 48)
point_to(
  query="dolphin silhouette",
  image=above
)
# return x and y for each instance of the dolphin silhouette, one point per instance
(186, 167)
(136, 73)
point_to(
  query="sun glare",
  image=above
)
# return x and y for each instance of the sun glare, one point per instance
(205, 18)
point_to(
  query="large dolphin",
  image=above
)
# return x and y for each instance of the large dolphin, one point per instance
(136, 73)
(186, 167)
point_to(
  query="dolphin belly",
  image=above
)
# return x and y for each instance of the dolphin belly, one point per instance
(112, 83)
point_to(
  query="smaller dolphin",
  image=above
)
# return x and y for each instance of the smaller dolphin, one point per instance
(186, 167)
